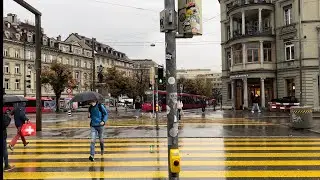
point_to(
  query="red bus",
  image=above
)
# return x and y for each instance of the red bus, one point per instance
(190, 101)
(31, 105)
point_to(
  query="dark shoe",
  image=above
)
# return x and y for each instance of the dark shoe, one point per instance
(91, 158)
(10, 147)
(102, 152)
(9, 168)
(26, 144)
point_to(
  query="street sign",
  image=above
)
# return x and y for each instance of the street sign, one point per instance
(69, 91)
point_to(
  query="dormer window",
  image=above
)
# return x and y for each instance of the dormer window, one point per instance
(45, 41)
(7, 33)
(18, 36)
(29, 37)
(51, 43)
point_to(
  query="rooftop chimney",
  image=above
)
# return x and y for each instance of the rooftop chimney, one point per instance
(59, 38)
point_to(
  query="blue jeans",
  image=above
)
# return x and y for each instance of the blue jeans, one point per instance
(5, 153)
(94, 132)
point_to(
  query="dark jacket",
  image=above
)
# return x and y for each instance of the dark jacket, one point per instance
(137, 105)
(255, 99)
(6, 123)
(19, 113)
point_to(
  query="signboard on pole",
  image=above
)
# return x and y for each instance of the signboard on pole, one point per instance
(190, 17)
(152, 74)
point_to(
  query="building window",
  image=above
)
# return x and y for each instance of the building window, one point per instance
(267, 52)
(85, 64)
(287, 15)
(229, 91)
(59, 60)
(291, 88)
(16, 54)
(77, 76)
(17, 84)
(77, 63)
(237, 54)
(44, 58)
(85, 76)
(7, 83)
(228, 60)
(50, 58)
(17, 69)
(90, 65)
(289, 51)
(28, 55)
(6, 68)
(253, 55)
(5, 52)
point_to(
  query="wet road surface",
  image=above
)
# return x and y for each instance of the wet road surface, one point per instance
(213, 147)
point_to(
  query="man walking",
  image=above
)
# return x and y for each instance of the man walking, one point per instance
(98, 115)
(255, 103)
(6, 122)
(20, 118)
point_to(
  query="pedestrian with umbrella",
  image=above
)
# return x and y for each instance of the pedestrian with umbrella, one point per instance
(6, 123)
(20, 117)
(98, 115)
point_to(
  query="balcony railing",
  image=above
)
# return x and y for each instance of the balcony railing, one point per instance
(239, 3)
(251, 32)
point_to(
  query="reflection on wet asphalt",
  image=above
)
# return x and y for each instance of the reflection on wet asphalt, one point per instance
(219, 146)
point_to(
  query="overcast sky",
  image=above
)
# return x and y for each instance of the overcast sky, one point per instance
(128, 29)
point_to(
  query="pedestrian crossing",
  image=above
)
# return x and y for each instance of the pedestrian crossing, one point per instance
(202, 158)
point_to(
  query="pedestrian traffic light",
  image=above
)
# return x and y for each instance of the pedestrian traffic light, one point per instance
(160, 75)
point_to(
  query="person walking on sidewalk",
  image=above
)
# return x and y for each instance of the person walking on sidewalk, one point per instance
(255, 103)
(99, 116)
(6, 122)
(179, 107)
(20, 118)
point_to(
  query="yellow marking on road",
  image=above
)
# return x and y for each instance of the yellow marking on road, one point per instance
(165, 163)
(155, 155)
(159, 174)
(163, 143)
(208, 124)
(129, 149)
(262, 140)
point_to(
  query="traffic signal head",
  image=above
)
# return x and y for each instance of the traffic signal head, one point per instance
(160, 75)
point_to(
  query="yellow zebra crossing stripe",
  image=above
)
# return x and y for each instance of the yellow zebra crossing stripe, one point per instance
(132, 149)
(119, 140)
(162, 144)
(161, 174)
(130, 158)
(165, 163)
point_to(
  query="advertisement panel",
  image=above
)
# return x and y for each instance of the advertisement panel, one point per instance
(190, 17)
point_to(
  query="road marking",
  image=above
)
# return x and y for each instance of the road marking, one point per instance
(158, 174)
(165, 163)
(162, 143)
(155, 155)
(254, 139)
(127, 149)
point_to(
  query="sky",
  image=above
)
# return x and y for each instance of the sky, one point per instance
(129, 26)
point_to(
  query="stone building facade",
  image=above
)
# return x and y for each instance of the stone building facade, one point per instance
(261, 51)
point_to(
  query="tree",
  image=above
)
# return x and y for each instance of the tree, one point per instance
(59, 77)
(141, 80)
(117, 83)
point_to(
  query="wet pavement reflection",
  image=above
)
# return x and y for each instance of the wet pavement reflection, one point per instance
(214, 146)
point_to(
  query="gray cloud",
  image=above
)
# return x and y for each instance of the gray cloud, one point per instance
(127, 29)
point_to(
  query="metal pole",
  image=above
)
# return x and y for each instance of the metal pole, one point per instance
(157, 104)
(24, 68)
(300, 54)
(38, 72)
(93, 65)
(172, 127)
(1, 92)
(153, 100)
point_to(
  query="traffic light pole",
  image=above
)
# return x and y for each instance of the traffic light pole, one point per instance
(170, 40)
